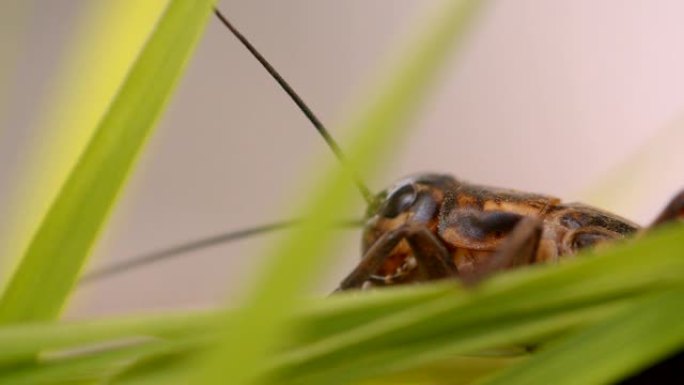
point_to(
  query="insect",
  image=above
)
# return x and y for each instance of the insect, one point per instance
(433, 226)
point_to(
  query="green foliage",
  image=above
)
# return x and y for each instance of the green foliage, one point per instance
(629, 340)
(618, 302)
(262, 323)
(598, 317)
(50, 266)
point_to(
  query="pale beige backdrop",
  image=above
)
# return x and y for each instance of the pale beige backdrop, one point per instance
(549, 96)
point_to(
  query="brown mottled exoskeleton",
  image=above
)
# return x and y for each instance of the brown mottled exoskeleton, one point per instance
(433, 226)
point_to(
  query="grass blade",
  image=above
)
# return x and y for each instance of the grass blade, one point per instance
(260, 326)
(100, 54)
(407, 328)
(324, 317)
(610, 350)
(523, 306)
(58, 251)
(22, 341)
(548, 297)
(97, 366)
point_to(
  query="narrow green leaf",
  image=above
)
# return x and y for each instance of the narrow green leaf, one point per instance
(259, 328)
(466, 339)
(399, 329)
(522, 306)
(100, 52)
(610, 350)
(323, 317)
(96, 366)
(460, 370)
(22, 341)
(58, 251)
(509, 302)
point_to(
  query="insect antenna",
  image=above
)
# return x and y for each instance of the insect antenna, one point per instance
(195, 245)
(198, 244)
(360, 185)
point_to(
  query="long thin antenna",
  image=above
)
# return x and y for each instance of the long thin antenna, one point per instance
(363, 189)
(187, 247)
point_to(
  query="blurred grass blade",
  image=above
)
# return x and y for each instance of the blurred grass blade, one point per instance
(25, 341)
(522, 306)
(387, 358)
(512, 308)
(88, 76)
(97, 366)
(293, 265)
(399, 94)
(461, 370)
(58, 251)
(356, 336)
(324, 317)
(610, 350)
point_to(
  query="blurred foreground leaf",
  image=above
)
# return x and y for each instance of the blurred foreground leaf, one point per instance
(364, 336)
(101, 51)
(294, 264)
(607, 352)
(58, 251)
(593, 303)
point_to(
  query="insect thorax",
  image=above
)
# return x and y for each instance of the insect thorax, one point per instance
(473, 221)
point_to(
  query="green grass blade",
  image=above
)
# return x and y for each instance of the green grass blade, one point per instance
(365, 335)
(522, 306)
(508, 303)
(292, 267)
(27, 340)
(99, 55)
(462, 370)
(58, 251)
(96, 366)
(323, 317)
(610, 350)
(468, 339)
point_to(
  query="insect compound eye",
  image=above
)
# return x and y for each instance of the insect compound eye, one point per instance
(399, 200)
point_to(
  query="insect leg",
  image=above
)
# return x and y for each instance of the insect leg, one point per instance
(519, 248)
(672, 212)
(432, 257)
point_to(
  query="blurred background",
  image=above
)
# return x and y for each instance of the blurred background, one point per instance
(579, 99)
